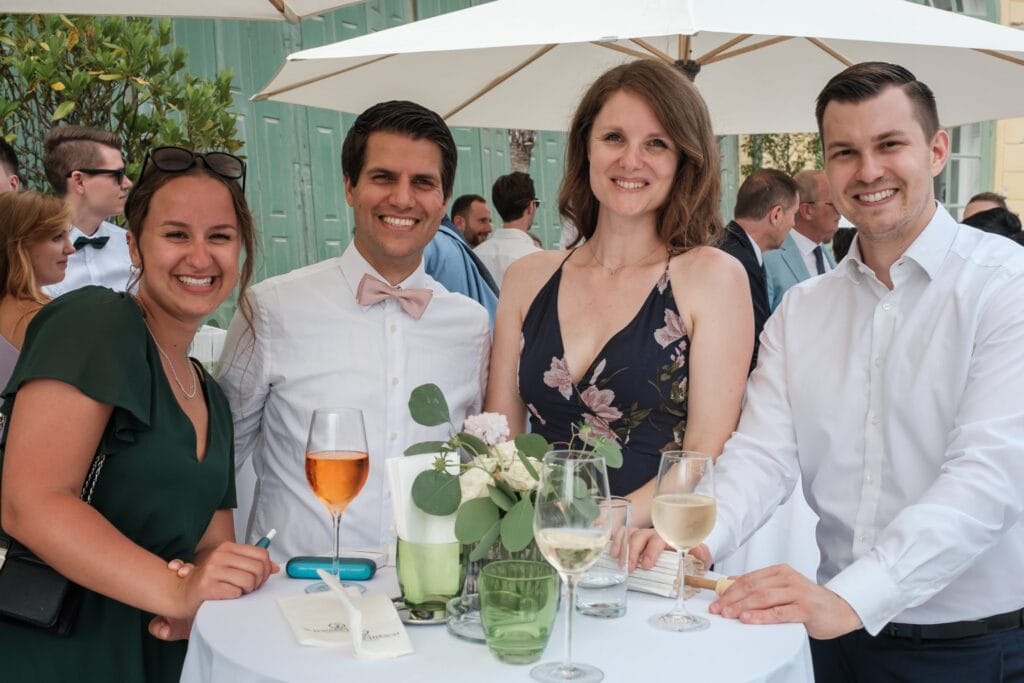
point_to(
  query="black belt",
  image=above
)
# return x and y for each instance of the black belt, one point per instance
(956, 629)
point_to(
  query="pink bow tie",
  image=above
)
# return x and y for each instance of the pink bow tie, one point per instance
(413, 301)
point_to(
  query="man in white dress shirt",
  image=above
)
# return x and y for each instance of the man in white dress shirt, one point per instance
(516, 202)
(85, 167)
(893, 385)
(803, 254)
(312, 344)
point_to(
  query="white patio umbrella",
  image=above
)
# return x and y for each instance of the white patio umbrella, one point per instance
(525, 63)
(288, 10)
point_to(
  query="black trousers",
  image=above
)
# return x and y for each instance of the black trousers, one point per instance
(860, 658)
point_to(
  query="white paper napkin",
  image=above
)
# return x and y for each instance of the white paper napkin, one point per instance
(341, 616)
(411, 523)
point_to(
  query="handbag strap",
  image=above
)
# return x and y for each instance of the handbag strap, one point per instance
(92, 476)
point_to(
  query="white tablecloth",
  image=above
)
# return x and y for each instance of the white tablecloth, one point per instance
(248, 640)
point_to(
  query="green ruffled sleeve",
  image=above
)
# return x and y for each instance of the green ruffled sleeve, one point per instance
(95, 340)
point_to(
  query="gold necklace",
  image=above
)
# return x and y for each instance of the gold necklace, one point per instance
(612, 271)
(188, 394)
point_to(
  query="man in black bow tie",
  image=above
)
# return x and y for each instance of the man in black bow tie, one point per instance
(86, 168)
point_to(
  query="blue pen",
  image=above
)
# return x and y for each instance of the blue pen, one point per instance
(265, 541)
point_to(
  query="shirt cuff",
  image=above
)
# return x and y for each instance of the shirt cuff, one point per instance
(715, 541)
(870, 591)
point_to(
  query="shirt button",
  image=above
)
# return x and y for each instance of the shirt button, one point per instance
(878, 362)
(863, 538)
(393, 328)
(886, 307)
(875, 420)
(394, 381)
(867, 477)
(394, 436)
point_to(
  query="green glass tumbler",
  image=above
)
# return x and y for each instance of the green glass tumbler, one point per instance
(518, 602)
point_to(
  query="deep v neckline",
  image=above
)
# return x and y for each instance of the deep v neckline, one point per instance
(601, 352)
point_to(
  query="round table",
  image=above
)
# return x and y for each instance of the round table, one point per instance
(249, 640)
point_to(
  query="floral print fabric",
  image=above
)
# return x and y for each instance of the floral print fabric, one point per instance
(635, 390)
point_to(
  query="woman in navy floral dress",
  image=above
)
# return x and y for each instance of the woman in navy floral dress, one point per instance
(644, 332)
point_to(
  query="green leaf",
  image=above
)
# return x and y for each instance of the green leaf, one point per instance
(473, 444)
(517, 526)
(63, 110)
(534, 445)
(427, 406)
(436, 493)
(610, 451)
(528, 465)
(426, 447)
(500, 498)
(474, 519)
(506, 488)
(485, 542)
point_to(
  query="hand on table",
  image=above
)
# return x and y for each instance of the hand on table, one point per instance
(780, 594)
(646, 546)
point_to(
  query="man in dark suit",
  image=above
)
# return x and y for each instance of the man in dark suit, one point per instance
(766, 205)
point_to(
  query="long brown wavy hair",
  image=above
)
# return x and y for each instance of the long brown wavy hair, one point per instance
(27, 218)
(690, 216)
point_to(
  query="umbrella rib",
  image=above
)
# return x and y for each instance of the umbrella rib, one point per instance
(722, 48)
(501, 79)
(744, 50)
(1000, 55)
(273, 93)
(624, 50)
(653, 50)
(825, 47)
(684, 46)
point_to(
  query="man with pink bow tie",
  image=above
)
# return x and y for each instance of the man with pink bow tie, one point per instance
(360, 330)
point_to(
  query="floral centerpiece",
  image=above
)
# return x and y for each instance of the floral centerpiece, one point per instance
(492, 489)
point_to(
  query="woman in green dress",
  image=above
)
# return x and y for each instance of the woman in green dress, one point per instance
(106, 372)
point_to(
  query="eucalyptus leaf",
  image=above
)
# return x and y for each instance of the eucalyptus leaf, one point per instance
(534, 445)
(610, 451)
(517, 526)
(436, 493)
(426, 447)
(427, 406)
(474, 519)
(485, 542)
(585, 508)
(500, 498)
(474, 444)
(506, 488)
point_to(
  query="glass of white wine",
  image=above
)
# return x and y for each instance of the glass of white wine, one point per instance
(337, 466)
(571, 524)
(684, 514)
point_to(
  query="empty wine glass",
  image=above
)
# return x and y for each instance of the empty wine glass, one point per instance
(571, 524)
(683, 513)
(337, 466)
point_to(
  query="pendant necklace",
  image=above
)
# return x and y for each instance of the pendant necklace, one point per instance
(187, 393)
(612, 271)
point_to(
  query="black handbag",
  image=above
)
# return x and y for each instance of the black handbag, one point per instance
(32, 592)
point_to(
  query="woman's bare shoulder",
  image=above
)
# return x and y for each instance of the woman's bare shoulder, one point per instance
(709, 266)
(528, 274)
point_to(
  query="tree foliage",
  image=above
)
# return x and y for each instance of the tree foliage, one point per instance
(121, 74)
(787, 152)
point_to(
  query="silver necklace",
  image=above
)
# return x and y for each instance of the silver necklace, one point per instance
(187, 393)
(612, 271)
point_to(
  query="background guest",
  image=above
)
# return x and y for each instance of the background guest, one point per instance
(983, 201)
(34, 249)
(108, 373)
(998, 221)
(644, 333)
(472, 218)
(9, 180)
(516, 202)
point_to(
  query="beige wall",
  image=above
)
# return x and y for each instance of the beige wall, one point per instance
(1008, 177)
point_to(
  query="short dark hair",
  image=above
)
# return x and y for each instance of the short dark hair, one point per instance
(994, 197)
(67, 148)
(460, 207)
(867, 80)
(763, 189)
(998, 221)
(690, 216)
(512, 194)
(404, 118)
(8, 158)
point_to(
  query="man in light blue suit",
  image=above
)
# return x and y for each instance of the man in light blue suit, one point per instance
(804, 253)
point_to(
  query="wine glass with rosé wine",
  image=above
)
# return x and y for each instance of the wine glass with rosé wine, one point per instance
(571, 525)
(337, 466)
(683, 513)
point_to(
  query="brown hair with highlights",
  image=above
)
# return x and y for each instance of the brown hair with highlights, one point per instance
(28, 218)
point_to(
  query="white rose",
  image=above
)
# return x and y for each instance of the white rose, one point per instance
(506, 453)
(518, 477)
(473, 483)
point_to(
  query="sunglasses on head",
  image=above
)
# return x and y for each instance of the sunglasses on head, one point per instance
(116, 173)
(179, 159)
